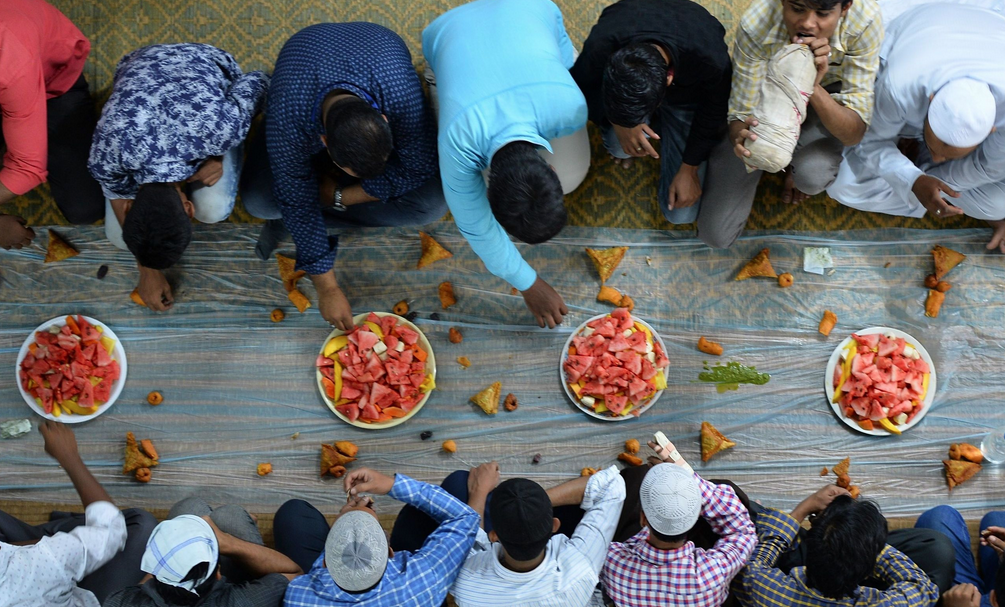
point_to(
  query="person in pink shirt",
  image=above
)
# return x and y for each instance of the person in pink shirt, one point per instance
(46, 114)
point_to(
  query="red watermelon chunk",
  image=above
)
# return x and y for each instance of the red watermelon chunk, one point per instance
(391, 341)
(350, 392)
(86, 394)
(382, 396)
(370, 413)
(869, 341)
(387, 324)
(648, 371)
(638, 342)
(350, 410)
(623, 318)
(888, 387)
(366, 340)
(103, 391)
(605, 330)
(575, 366)
(407, 335)
(68, 342)
(371, 317)
(102, 358)
(876, 411)
(897, 374)
(46, 395)
(322, 361)
(921, 366)
(375, 367)
(619, 344)
(328, 372)
(28, 361)
(632, 361)
(861, 407)
(616, 404)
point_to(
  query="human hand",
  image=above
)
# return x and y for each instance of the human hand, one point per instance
(962, 595)
(634, 141)
(821, 49)
(154, 290)
(818, 502)
(60, 442)
(365, 480)
(545, 304)
(739, 132)
(995, 538)
(929, 191)
(335, 308)
(483, 479)
(663, 455)
(209, 172)
(685, 189)
(14, 232)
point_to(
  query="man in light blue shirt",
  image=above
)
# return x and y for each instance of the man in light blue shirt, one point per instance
(504, 91)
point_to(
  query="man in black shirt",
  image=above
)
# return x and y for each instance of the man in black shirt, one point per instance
(659, 69)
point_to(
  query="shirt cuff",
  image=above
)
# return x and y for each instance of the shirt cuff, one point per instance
(102, 514)
(524, 278)
(19, 183)
(324, 263)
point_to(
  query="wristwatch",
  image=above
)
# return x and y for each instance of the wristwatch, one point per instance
(337, 201)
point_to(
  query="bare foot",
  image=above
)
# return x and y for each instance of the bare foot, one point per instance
(790, 195)
(625, 163)
(997, 236)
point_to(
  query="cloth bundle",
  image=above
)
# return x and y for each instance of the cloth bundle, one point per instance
(781, 109)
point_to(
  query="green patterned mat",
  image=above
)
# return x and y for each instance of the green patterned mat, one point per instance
(255, 30)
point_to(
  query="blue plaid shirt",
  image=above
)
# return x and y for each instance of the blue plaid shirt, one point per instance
(765, 586)
(366, 60)
(172, 107)
(419, 579)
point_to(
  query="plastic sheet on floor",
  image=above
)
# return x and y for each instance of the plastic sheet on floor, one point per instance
(237, 386)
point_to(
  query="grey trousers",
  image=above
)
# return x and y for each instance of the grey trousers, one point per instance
(120, 572)
(730, 189)
(234, 520)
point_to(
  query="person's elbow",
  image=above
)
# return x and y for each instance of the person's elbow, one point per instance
(854, 134)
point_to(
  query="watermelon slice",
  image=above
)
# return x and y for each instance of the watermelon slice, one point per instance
(616, 404)
(370, 413)
(366, 340)
(86, 394)
(407, 335)
(575, 366)
(103, 391)
(324, 361)
(102, 358)
(870, 341)
(350, 410)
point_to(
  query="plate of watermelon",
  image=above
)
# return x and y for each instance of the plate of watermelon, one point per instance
(613, 366)
(377, 375)
(880, 381)
(71, 369)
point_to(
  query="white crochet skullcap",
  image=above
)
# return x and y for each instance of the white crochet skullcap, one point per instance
(671, 499)
(962, 113)
(356, 551)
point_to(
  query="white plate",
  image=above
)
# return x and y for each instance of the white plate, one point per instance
(118, 354)
(572, 395)
(836, 356)
(430, 368)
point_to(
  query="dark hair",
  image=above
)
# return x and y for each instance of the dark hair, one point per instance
(671, 539)
(825, 5)
(525, 552)
(358, 137)
(635, 80)
(843, 544)
(157, 229)
(180, 596)
(1000, 586)
(525, 193)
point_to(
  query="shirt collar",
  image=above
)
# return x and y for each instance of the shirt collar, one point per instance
(799, 575)
(653, 555)
(343, 86)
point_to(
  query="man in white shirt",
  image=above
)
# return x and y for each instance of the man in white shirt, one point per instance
(522, 562)
(940, 94)
(73, 561)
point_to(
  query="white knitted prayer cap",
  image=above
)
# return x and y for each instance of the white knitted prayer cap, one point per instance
(962, 113)
(356, 551)
(671, 499)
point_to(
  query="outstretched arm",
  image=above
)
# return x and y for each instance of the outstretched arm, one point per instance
(61, 444)
(257, 561)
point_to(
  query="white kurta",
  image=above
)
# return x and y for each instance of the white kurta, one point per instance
(925, 48)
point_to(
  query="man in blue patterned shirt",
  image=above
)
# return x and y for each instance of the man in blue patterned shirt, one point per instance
(351, 564)
(350, 142)
(168, 148)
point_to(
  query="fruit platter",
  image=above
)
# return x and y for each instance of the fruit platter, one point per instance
(880, 381)
(377, 375)
(71, 369)
(614, 366)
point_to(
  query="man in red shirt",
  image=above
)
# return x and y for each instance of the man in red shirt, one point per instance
(46, 113)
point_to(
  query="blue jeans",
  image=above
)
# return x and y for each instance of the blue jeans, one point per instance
(674, 127)
(950, 522)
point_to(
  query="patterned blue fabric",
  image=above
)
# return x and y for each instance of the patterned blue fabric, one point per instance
(412, 579)
(172, 106)
(371, 62)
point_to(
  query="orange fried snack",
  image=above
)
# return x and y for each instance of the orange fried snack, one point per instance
(843, 481)
(277, 315)
(155, 398)
(630, 459)
(934, 303)
(945, 260)
(966, 451)
(854, 491)
(610, 295)
(827, 323)
(135, 296)
(299, 300)
(712, 441)
(587, 472)
(759, 266)
(447, 297)
(288, 272)
(464, 361)
(959, 471)
(346, 448)
(606, 260)
(709, 347)
(337, 471)
(942, 286)
(632, 446)
(627, 302)
(143, 475)
(263, 469)
(842, 467)
(785, 280)
(488, 399)
(330, 457)
(400, 308)
(824, 471)
(449, 446)
(147, 447)
(455, 336)
(931, 281)
(134, 459)
(431, 251)
(58, 249)
(510, 403)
